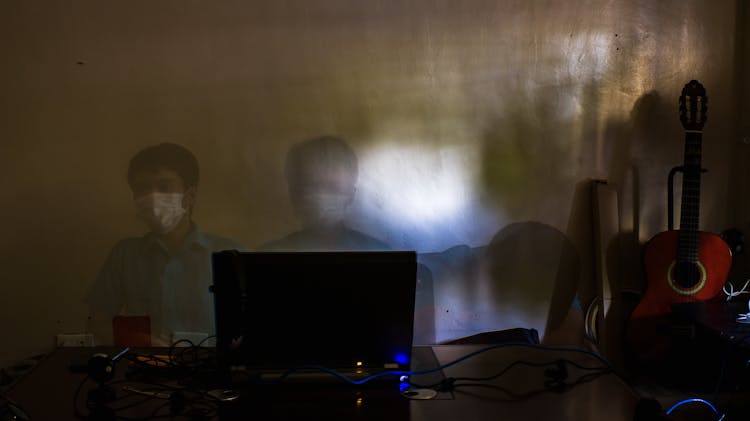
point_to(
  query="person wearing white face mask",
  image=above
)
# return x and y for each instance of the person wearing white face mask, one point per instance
(162, 277)
(161, 211)
(321, 175)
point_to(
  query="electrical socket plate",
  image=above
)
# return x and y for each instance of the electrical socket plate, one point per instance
(75, 339)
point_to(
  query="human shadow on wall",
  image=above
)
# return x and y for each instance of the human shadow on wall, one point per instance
(636, 145)
(322, 175)
(510, 283)
(640, 143)
(655, 146)
(535, 269)
(637, 142)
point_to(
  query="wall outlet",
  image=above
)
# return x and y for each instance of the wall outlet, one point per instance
(75, 339)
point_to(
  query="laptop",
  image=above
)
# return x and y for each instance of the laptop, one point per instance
(312, 311)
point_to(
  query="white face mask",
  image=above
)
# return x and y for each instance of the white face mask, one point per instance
(160, 211)
(323, 209)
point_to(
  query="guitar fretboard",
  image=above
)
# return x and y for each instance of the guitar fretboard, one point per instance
(690, 206)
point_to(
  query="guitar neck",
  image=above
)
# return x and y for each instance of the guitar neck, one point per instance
(690, 206)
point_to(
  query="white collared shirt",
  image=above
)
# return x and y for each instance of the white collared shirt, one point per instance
(140, 278)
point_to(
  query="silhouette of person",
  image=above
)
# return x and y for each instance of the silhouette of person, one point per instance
(526, 277)
(164, 274)
(321, 175)
(531, 277)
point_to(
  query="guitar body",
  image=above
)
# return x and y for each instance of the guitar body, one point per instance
(648, 331)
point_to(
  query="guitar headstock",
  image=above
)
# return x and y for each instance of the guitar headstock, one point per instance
(693, 106)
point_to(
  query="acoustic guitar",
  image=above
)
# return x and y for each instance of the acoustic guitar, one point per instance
(681, 265)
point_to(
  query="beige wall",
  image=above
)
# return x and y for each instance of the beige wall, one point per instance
(466, 116)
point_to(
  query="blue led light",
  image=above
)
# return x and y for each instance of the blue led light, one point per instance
(401, 358)
(403, 387)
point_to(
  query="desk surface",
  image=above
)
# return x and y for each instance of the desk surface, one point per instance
(47, 393)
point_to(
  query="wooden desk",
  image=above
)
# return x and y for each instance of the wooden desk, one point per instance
(47, 392)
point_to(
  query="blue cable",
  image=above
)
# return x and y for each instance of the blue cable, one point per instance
(683, 402)
(454, 362)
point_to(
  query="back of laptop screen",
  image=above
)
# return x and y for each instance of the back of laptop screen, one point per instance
(281, 310)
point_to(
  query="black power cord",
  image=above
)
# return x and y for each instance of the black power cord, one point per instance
(11, 411)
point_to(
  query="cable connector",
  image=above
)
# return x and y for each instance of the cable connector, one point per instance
(446, 385)
(556, 377)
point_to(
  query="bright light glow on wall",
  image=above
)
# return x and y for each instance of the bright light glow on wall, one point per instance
(422, 195)
(418, 185)
(587, 55)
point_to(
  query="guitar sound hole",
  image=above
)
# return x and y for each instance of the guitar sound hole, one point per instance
(687, 274)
